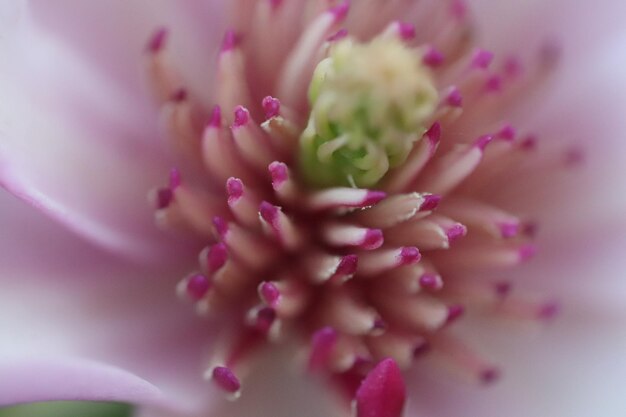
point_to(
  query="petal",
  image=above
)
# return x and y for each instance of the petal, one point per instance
(61, 298)
(56, 378)
(113, 34)
(574, 369)
(535, 21)
(76, 146)
(582, 108)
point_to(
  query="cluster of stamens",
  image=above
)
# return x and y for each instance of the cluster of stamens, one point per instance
(357, 273)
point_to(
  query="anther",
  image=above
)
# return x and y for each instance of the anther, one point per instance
(271, 107)
(231, 41)
(157, 41)
(197, 286)
(226, 380)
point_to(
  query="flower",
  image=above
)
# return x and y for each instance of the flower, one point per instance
(92, 204)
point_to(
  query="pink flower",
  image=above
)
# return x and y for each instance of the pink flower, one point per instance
(80, 142)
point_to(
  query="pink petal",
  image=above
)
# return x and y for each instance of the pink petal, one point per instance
(79, 148)
(536, 20)
(56, 378)
(113, 34)
(62, 298)
(575, 368)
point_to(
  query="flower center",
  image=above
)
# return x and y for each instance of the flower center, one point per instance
(298, 243)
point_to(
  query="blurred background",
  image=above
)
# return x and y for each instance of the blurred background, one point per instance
(68, 409)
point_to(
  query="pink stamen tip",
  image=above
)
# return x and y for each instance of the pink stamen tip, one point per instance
(503, 288)
(279, 173)
(374, 197)
(268, 212)
(550, 52)
(454, 98)
(164, 198)
(226, 379)
(361, 361)
(507, 133)
(526, 252)
(157, 41)
(529, 143)
(221, 227)
(508, 230)
(373, 239)
(265, 317)
(431, 201)
(433, 57)
(242, 116)
(339, 35)
(454, 313)
(458, 9)
(513, 67)
(489, 376)
(574, 157)
(379, 324)
(197, 287)
(483, 141)
(322, 344)
(179, 95)
(340, 12)
(549, 310)
(482, 59)
(455, 232)
(406, 31)
(348, 265)
(421, 349)
(430, 281)
(217, 257)
(234, 189)
(231, 41)
(216, 117)
(493, 84)
(275, 4)
(433, 134)
(382, 392)
(409, 255)
(530, 229)
(175, 178)
(269, 293)
(271, 107)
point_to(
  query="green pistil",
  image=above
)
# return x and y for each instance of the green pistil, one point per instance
(369, 105)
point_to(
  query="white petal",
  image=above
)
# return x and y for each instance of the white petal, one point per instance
(76, 146)
(113, 34)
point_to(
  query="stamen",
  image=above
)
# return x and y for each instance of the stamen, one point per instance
(357, 186)
(353, 236)
(271, 106)
(280, 226)
(335, 198)
(322, 343)
(453, 168)
(242, 203)
(382, 393)
(433, 57)
(397, 209)
(226, 380)
(249, 140)
(269, 293)
(377, 262)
